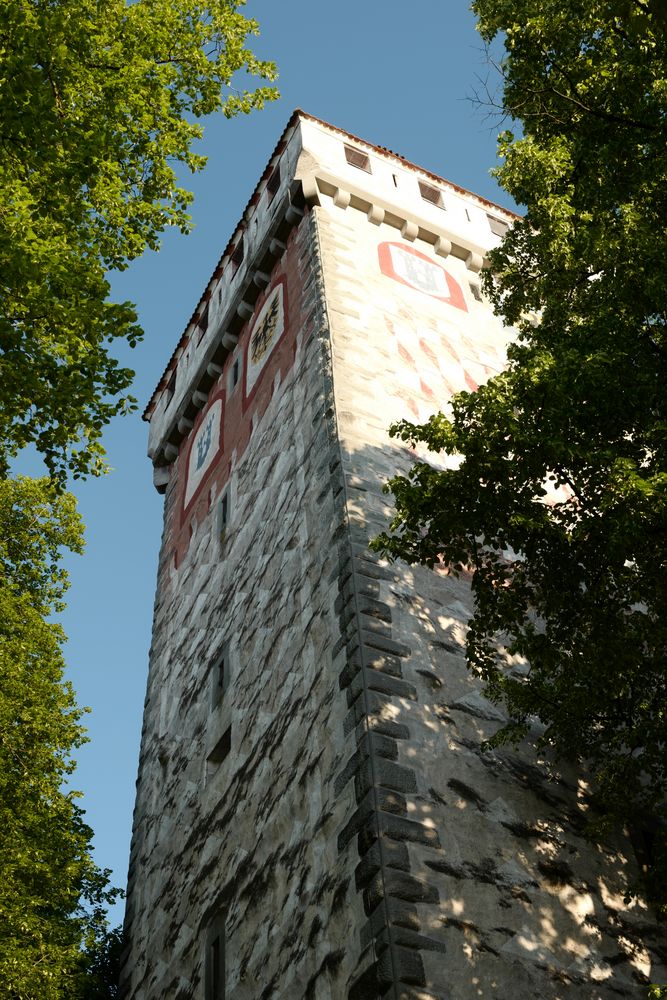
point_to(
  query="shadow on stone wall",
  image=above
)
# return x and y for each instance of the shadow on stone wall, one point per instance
(495, 884)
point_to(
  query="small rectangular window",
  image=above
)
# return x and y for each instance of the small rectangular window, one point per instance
(214, 961)
(171, 388)
(223, 515)
(234, 374)
(273, 183)
(431, 194)
(357, 158)
(219, 678)
(237, 255)
(219, 752)
(202, 323)
(498, 227)
(203, 319)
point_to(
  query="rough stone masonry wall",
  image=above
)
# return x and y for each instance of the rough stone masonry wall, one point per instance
(475, 877)
(257, 840)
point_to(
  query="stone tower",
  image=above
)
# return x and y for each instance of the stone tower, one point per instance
(315, 819)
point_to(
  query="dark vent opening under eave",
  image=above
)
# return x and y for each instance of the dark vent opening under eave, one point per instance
(357, 158)
(498, 227)
(431, 194)
(237, 255)
(273, 182)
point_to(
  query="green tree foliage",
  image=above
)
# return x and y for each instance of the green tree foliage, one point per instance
(580, 409)
(99, 101)
(51, 893)
(102, 967)
(99, 109)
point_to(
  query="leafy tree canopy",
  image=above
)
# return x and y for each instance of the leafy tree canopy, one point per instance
(99, 104)
(103, 966)
(564, 454)
(52, 896)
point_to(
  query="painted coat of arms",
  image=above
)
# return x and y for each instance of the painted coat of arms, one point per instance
(265, 334)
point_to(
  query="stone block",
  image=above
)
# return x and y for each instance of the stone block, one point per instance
(400, 828)
(375, 625)
(383, 773)
(402, 885)
(407, 938)
(369, 569)
(385, 727)
(403, 965)
(383, 852)
(374, 680)
(365, 986)
(384, 643)
(374, 608)
(392, 912)
(369, 743)
(377, 805)
(373, 706)
(372, 659)
(368, 587)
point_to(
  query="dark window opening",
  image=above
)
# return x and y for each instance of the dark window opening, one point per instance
(220, 751)
(273, 182)
(233, 376)
(357, 158)
(202, 323)
(171, 388)
(498, 227)
(223, 515)
(214, 961)
(237, 255)
(215, 951)
(219, 678)
(431, 194)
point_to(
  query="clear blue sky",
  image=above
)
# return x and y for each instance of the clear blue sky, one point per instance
(399, 75)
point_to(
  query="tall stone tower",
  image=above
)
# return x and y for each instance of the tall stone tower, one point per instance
(315, 818)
